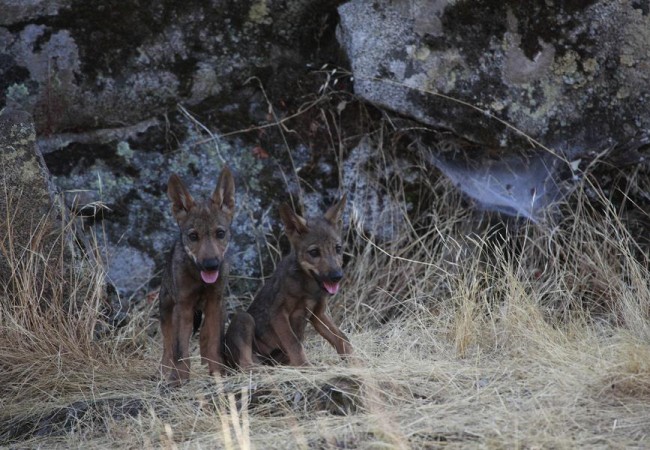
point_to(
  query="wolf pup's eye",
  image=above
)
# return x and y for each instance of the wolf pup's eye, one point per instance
(314, 253)
(338, 249)
(221, 234)
(193, 236)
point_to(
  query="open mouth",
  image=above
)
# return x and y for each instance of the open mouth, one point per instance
(330, 287)
(209, 276)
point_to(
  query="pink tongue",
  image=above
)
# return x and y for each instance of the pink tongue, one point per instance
(209, 277)
(332, 288)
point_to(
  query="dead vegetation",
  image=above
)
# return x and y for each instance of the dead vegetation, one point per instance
(525, 337)
(470, 334)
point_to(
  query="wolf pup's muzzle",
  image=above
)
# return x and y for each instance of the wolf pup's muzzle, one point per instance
(331, 281)
(210, 270)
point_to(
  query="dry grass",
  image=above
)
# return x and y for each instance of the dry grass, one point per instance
(510, 338)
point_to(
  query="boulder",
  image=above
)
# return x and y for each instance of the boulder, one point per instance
(535, 88)
(78, 65)
(38, 252)
(572, 76)
(103, 82)
(45, 259)
(28, 217)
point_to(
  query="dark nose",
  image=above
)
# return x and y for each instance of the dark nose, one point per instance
(335, 276)
(210, 264)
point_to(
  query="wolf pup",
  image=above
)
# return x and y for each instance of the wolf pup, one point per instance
(273, 327)
(195, 276)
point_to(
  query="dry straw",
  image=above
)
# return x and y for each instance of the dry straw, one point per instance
(467, 335)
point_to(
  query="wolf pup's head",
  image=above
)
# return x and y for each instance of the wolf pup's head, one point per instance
(205, 225)
(317, 244)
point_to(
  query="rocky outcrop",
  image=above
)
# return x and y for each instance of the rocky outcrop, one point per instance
(573, 76)
(36, 251)
(45, 259)
(537, 87)
(28, 220)
(77, 65)
(516, 99)
(103, 82)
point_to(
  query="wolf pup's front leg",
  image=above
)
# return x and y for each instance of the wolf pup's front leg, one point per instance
(195, 276)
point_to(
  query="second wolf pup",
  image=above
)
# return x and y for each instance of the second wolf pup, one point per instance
(195, 276)
(273, 327)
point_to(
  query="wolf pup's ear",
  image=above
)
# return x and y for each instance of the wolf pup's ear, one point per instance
(223, 196)
(180, 197)
(334, 214)
(293, 223)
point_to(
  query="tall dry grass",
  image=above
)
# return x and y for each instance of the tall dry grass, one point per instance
(495, 336)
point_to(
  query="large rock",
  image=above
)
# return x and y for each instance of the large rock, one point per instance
(537, 85)
(33, 248)
(27, 218)
(103, 81)
(77, 65)
(44, 257)
(572, 75)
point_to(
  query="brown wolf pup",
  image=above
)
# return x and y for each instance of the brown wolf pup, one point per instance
(274, 325)
(195, 276)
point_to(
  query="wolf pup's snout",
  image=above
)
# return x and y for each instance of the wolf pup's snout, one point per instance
(335, 276)
(331, 281)
(210, 270)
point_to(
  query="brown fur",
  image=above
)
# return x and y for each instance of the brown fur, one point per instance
(274, 325)
(194, 258)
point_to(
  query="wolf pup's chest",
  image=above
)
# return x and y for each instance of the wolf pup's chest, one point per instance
(308, 304)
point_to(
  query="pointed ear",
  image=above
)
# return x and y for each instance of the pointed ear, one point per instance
(180, 197)
(293, 223)
(223, 196)
(334, 214)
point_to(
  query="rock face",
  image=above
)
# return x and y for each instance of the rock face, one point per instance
(573, 77)
(44, 258)
(517, 94)
(103, 81)
(33, 247)
(76, 65)
(27, 219)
